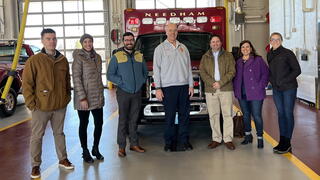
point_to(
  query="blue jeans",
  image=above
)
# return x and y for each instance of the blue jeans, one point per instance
(284, 101)
(254, 108)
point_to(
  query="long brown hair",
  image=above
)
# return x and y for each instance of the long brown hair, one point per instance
(253, 50)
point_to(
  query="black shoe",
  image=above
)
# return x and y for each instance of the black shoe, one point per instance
(185, 147)
(170, 147)
(285, 148)
(174, 146)
(86, 156)
(95, 152)
(167, 147)
(188, 146)
(247, 139)
(279, 146)
(260, 143)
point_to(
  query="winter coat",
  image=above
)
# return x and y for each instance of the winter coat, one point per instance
(226, 69)
(127, 71)
(284, 69)
(46, 82)
(87, 79)
(255, 74)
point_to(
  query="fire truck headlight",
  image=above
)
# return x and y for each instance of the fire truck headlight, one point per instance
(215, 27)
(134, 29)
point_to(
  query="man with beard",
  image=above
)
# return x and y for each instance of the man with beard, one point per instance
(128, 71)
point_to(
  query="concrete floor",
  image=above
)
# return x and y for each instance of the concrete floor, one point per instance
(246, 162)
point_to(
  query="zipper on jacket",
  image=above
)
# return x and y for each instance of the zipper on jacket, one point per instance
(134, 78)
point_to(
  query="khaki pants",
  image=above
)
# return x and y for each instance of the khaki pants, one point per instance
(38, 126)
(216, 101)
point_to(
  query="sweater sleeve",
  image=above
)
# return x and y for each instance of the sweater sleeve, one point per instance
(190, 69)
(157, 57)
(28, 85)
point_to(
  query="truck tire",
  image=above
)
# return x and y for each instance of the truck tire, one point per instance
(9, 107)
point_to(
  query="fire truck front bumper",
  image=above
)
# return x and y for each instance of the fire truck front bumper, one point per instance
(156, 110)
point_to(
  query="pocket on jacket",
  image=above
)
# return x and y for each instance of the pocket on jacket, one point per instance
(42, 98)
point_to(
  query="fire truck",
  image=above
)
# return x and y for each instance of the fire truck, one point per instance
(195, 27)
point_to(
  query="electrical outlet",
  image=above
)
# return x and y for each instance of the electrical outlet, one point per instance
(304, 57)
(294, 29)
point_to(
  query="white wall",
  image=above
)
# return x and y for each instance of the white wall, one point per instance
(256, 29)
(10, 20)
(298, 27)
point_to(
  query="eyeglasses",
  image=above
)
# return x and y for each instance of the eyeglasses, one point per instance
(274, 39)
(128, 40)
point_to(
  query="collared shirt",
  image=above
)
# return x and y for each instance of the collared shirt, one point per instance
(216, 66)
(172, 65)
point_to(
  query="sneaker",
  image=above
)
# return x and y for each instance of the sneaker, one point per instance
(35, 173)
(66, 164)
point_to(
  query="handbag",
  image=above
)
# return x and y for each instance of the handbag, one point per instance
(238, 125)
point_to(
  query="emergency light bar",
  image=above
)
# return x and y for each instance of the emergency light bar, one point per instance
(215, 19)
(176, 20)
(161, 21)
(133, 21)
(202, 19)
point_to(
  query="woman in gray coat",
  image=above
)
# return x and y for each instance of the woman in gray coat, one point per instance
(88, 94)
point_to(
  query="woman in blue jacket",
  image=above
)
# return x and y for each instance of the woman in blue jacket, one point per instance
(249, 88)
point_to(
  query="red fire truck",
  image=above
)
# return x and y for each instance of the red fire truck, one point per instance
(195, 27)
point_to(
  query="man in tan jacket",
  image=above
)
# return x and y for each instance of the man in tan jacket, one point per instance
(47, 92)
(217, 69)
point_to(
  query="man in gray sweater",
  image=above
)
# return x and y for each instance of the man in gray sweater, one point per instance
(174, 85)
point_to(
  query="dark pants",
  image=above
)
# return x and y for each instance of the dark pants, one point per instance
(84, 120)
(129, 108)
(284, 101)
(253, 108)
(176, 99)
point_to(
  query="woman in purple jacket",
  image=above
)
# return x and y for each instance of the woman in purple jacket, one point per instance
(249, 88)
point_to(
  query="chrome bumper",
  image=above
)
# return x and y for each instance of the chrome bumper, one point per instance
(157, 109)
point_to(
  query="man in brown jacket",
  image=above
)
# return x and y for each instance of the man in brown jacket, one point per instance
(47, 92)
(217, 69)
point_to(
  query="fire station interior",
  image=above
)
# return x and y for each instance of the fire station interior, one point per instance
(106, 21)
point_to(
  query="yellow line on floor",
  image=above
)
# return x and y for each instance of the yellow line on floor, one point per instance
(303, 167)
(51, 169)
(15, 124)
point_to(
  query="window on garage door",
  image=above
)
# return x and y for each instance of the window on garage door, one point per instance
(164, 4)
(70, 19)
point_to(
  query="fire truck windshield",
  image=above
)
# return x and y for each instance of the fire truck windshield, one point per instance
(196, 42)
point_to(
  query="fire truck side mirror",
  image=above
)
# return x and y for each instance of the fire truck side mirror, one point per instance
(115, 36)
